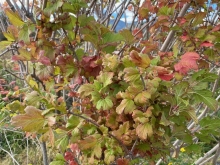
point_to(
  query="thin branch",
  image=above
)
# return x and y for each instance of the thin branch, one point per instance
(172, 32)
(214, 161)
(9, 155)
(8, 145)
(201, 159)
(13, 74)
(44, 153)
(7, 50)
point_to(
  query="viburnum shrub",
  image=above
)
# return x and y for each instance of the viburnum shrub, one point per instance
(105, 97)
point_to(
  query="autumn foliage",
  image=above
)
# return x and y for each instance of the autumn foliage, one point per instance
(97, 96)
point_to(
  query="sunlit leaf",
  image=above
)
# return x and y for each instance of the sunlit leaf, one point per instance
(131, 74)
(127, 35)
(14, 17)
(104, 104)
(126, 106)
(206, 97)
(142, 98)
(144, 131)
(31, 121)
(109, 156)
(85, 89)
(105, 78)
(72, 122)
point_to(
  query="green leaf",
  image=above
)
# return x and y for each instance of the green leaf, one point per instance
(126, 105)
(63, 143)
(164, 10)
(200, 33)
(70, 69)
(199, 18)
(9, 36)
(192, 114)
(195, 148)
(80, 53)
(31, 121)
(109, 156)
(24, 34)
(104, 104)
(112, 37)
(105, 78)
(33, 98)
(67, 7)
(70, 25)
(128, 37)
(59, 157)
(143, 13)
(144, 146)
(131, 74)
(181, 88)
(14, 18)
(86, 89)
(88, 143)
(142, 98)
(206, 97)
(98, 151)
(4, 44)
(16, 106)
(123, 129)
(57, 162)
(52, 8)
(144, 130)
(33, 84)
(26, 55)
(72, 122)
(110, 62)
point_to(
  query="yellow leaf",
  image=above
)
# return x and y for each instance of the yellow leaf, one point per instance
(31, 121)
(144, 131)
(142, 98)
(14, 18)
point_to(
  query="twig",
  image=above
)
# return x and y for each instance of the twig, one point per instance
(9, 155)
(13, 74)
(8, 145)
(200, 160)
(7, 50)
(44, 152)
(214, 161)
(172, 32)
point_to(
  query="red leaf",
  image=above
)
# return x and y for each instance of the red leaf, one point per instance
(188, 62)
(166, 77)
(43, 59)
(138, 35)
(17, 57)
(122, 161)
(69, 156)
(90, 66)
(73, 162)
(184, 38)
(16, 88)
(206, 44)
(12, 83)
(78, 80)
(190, 56)
(181, 20)
(216, 28)
(163, 73)
(5, 99)
(75, 148)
